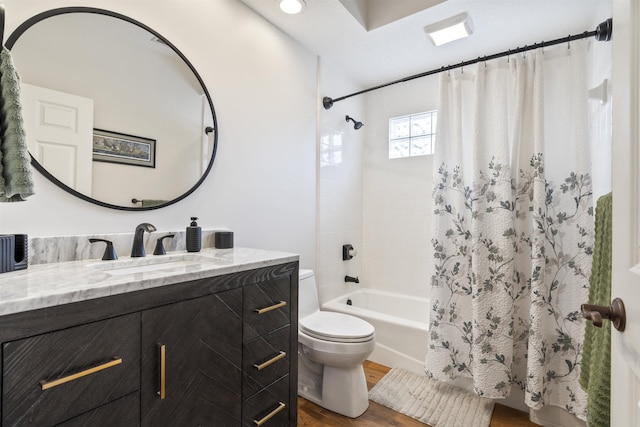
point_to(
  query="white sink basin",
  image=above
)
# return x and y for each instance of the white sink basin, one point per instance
(165, 263)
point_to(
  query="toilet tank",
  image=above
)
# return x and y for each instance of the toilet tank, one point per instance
(307, 293)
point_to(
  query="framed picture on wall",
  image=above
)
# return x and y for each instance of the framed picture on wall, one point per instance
(113, 147)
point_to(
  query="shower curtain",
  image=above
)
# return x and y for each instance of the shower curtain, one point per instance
(513, 227)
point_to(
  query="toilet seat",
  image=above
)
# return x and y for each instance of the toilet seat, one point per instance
(336, 327)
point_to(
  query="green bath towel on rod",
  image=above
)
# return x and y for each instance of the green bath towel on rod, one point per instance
(16, 180)
(595, 376)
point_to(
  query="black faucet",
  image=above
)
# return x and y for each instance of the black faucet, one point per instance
(351, 279)
(137, 249)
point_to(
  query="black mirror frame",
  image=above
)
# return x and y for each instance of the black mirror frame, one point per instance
(64, 10)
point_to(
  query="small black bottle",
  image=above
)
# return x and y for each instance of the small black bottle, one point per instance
(194, 236)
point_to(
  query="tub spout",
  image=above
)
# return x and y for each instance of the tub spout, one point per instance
(351, 279)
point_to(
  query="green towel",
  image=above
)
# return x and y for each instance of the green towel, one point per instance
(16, 180)
(150, 202)
(595, 374)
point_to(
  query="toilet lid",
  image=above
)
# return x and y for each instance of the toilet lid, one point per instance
(337, 327)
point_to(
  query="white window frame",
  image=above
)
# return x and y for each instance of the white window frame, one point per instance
(430, 133)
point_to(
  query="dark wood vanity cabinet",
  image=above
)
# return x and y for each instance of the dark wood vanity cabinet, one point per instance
(210, 352)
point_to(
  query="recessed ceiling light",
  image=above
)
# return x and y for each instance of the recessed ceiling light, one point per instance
(454, 28)
(292, 6)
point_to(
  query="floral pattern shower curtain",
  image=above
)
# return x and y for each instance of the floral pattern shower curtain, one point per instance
(513, 227)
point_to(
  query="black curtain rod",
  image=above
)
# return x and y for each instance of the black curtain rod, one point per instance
(601, 33)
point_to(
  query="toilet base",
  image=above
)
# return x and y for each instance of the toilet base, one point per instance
(342, 390)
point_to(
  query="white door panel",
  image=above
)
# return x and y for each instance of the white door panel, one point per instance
(625, 346)
(59, 130)
(60, 160)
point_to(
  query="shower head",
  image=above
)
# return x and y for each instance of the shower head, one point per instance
(356, 125)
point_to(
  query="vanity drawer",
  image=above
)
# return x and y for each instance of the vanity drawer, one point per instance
(122, 412)
(50, 378)
(270, 407)
(265, 360)
(266, 307)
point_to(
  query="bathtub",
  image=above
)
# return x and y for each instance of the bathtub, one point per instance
(401, 323)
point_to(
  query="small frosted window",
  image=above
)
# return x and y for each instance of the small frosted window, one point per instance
(412, 135)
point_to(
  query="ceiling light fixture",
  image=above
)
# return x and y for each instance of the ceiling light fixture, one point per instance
(454, 28)
(292, 6)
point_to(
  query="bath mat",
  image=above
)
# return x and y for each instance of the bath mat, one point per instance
(432, 402)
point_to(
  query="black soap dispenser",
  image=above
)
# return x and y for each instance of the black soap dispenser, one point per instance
(194, 236)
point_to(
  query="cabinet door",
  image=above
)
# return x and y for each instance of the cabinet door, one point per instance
(53, 377)
(192, 362)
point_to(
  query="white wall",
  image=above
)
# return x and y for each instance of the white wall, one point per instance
(340, 204)
(381, 206)
(263, 86)
(397, 194)
(601, 109)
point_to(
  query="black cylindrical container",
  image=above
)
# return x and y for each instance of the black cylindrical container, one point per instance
(224, 239)
(194, 236)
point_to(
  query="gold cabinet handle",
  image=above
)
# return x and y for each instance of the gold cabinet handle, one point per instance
(271, 361)
(50, 384)
(272, 307)
(162, 369)
(270, 415)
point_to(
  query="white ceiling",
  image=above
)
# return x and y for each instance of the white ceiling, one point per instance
(336, 30)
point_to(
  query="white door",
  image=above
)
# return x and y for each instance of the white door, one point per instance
(59, 128)
(625, 346)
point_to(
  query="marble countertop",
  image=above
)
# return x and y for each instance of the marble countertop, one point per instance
(48, 285)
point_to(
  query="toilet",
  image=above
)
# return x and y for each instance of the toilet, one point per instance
(331, 349)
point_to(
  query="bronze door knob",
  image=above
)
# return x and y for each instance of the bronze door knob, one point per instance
(597, 313)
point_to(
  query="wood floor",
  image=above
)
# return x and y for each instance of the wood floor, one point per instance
(311, 415)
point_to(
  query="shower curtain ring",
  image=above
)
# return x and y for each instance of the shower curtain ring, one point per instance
(569, 42)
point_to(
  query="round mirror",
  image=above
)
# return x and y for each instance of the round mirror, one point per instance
(113, 112)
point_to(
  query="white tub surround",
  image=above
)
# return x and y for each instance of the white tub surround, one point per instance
(401, 323)
(48, 285)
